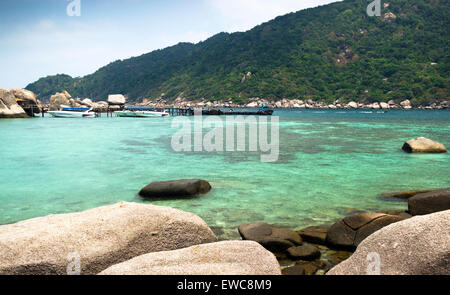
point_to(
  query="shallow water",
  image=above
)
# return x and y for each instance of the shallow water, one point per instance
(331, 163)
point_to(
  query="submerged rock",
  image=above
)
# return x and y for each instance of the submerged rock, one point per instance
(404, 195)
(272, 238)
(175, 188)
(296, 270)
(304, 252)
(416, 246)
(222, 258)
(431, 202)
(349, 232)
(315, 234)
(100, 237)
(423, 145)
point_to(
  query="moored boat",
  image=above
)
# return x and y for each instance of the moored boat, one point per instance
(73, 113)
(142, 113)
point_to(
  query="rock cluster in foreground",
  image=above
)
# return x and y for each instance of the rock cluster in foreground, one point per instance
(416, 246)
(101, 237)
(349, 232)
(223, 258)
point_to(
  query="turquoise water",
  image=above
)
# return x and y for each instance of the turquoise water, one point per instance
(331, 163)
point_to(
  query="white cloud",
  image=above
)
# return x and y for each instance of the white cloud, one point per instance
(242, 15)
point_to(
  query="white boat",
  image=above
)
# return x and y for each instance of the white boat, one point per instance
(73, 113)
(141, 114)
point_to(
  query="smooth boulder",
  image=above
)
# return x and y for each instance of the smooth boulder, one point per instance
(431, 202)
(304, 252)
(272, 238)
(9, 107)
(100, 237)
(349, 232)
(116, 99)
(315, 234)
(58, 100)
(416, 246)
(175, 188)
(222, 258)
(423, 145)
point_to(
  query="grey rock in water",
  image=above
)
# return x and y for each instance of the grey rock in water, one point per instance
(424, 145)
(175, 188)
(431, 202)
(296, 270)
(315, 234)
(404, 195)
(349, 232)
(222, 258)
(272, 238)
(304, 252)
(100, 237)
(416, 246)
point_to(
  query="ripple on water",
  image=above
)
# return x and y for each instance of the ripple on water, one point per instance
(329, 162)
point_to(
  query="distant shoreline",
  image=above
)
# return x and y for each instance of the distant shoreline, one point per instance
(295, 104)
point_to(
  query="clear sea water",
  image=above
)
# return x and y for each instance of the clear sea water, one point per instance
(332, 163)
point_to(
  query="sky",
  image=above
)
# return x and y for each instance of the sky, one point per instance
(47, 37)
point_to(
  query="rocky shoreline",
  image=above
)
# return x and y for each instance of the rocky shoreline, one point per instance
(135, 239)
(292, 104)
(21, 103)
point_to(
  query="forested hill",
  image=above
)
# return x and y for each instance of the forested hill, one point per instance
(326, 53)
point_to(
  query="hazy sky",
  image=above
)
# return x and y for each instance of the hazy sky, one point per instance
(39, 38)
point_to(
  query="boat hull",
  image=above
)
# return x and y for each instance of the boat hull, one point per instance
(141, 114)
(63, 114)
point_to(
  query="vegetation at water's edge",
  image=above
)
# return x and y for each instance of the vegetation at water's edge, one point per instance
(326, 53)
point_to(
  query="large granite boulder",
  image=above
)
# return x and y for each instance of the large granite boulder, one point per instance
(59, 99)
(9, 107)
(272, 238)
(25, 95)
(416, 246)
(27, 100)
(431, 202)
(423, 145)
(100, 237)
(87, 102)
(116, 99)
(349, 232)
(222, 258)
(175, 188)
